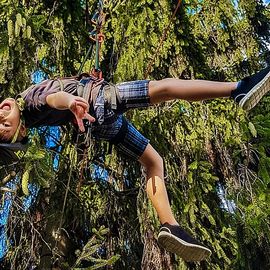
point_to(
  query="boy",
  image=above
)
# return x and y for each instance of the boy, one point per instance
(56, 102)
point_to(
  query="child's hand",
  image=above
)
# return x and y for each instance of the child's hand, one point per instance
(77, 105)
(80, 107)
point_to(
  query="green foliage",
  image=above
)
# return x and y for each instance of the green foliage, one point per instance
(89, 250)
(215, 154)
(37, 166)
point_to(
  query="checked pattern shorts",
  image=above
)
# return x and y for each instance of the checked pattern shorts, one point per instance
(133, 95)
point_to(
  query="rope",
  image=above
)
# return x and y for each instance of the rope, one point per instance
(98, 29)
(89, 52)
(99, 38)
(96, 36)
(164, 35)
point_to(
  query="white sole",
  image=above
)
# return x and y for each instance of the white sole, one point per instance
(252, 98)
(187, 251)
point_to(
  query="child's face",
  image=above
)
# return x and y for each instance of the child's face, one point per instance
(9, 118)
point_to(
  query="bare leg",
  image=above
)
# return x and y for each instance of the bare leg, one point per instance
(164, 90)
(191, 90)
(155, 186)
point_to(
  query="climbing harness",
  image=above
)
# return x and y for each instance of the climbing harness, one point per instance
(162, 39)
(89, 88)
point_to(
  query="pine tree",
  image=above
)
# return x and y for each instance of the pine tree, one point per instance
(216, 155)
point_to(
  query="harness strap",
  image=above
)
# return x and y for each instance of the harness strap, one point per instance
(111, 95)
(80, 87)
(89, 90)
(86, 90)
(61, 84)
(95, 90)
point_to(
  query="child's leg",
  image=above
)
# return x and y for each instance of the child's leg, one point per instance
(247, 93)
(171, 236)
(191, 90)
(155, 185)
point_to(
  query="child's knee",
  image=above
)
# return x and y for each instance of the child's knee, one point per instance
(151, 158)
(160, 90)
(156, 162)
(160, 85)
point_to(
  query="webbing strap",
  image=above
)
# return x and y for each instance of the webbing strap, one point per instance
(88, 88)
(112, 96)
(87, 93)
(80, 87)
(61, 84)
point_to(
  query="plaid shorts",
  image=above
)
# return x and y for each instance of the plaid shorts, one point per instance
(130, 141)
(133, 94)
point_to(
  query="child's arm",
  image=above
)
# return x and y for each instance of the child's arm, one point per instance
(77, 105)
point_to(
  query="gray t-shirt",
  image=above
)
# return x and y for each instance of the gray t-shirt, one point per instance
(37, 113)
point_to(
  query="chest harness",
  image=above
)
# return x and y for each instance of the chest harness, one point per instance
(89, 89)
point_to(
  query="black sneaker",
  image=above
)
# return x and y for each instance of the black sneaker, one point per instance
(176, 240)
(251, 89)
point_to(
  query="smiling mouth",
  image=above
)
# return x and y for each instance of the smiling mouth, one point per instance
(6, 108)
